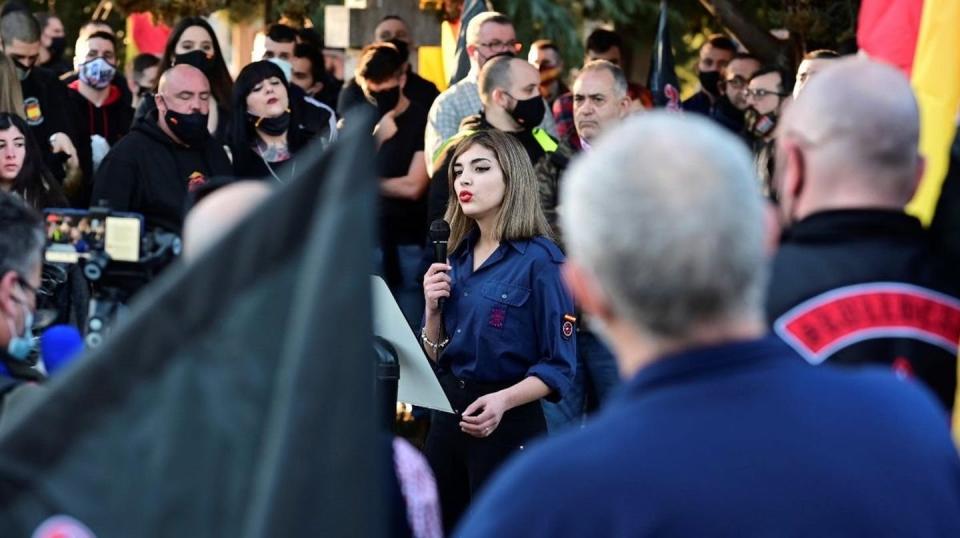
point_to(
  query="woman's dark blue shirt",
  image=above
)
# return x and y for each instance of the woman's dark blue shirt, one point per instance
(512, 317)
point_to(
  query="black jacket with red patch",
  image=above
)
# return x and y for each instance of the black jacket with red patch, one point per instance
(111, 120)
(861, 287)
(147, 172)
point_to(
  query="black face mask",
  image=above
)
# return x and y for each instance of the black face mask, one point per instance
(57, 46)
(272, 126)
(710, 82)
(759, 125)
(22, 71)
(143, 90)
(386, 100)
(529, 112)
(196, 58)
(191, 128)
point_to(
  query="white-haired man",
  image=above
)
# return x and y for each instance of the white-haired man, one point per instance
(489, 34)
(719, 430)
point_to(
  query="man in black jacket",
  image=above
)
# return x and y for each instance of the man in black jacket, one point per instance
(854, 281)
(167, 154)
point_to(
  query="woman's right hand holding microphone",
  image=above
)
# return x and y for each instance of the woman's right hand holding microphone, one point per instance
(436, 286)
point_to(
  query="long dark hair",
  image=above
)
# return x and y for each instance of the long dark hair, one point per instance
(242, 131)
(221, 85)
(34, 183)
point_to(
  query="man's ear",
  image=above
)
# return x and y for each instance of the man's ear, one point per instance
(403, 79)
(624, 106)
(8, 297)
(586, 291)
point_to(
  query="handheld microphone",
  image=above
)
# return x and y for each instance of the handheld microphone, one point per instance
(59, 346)
(439, 235)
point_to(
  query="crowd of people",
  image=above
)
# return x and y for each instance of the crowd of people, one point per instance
(643, 295)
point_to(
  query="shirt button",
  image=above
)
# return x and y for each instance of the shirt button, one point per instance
(504, 296)
(466, 294)
(458, 331)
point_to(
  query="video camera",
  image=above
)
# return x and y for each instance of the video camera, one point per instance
(117, 255)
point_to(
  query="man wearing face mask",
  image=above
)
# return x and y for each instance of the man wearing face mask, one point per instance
(166, 154)
(97, 98)
(21, 247)
(855, 281)
(53, 43)
(382, 75)
(766, 92)
(45, 100)
(510, 93)
(489, 34)
(715, 54)
(545, 56)
(732, 102)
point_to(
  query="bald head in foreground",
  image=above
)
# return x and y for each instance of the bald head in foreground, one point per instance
(854, 281)
(720, 430)
(218, 213)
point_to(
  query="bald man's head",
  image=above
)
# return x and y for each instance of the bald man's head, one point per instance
(183, 89)
(851, 139)
(218, 213)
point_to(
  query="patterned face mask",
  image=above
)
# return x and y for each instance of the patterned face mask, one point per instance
(97, 73)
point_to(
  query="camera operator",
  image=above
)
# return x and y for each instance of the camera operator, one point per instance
(21, 248)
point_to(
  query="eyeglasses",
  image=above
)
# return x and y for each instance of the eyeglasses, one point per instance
(501, 46)
(736, 82)
(761, 93)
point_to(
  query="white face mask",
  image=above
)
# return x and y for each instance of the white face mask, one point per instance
(284, 66)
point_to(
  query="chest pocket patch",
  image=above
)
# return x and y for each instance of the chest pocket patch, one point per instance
(505, 296)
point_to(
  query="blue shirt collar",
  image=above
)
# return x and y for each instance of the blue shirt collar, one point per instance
(470, 240)
(693, 363)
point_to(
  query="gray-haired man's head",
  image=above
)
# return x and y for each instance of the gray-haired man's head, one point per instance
(665, 219)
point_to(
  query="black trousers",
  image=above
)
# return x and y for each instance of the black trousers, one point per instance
(462, 463)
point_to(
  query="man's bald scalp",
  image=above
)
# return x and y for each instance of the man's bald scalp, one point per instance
(861, 115)
(180, 76)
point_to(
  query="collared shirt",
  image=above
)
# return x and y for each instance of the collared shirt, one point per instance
(448, 110)
(737, 439)
(511, 318)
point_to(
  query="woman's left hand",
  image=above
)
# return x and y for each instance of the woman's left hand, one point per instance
(483, 416)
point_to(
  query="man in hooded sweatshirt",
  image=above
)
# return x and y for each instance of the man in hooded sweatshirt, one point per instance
(167, 154)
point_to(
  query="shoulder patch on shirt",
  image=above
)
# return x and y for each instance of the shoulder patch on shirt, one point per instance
(831, 321)
(31, 108)
(567, 326)
(556, 255)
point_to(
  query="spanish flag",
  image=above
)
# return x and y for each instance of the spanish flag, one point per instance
(887, 31)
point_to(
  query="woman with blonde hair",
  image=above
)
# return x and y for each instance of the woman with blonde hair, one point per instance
(11, 96)
(504, 337)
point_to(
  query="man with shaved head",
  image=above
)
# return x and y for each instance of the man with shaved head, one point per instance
(168, 153)
(220, 211)
(854, 281)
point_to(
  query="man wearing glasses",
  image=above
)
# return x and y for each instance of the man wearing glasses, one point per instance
(21, 247)
(489, 34)
(732, 103)
(766, 92)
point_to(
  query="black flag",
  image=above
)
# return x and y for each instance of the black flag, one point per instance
(663, 77)
(238, 398)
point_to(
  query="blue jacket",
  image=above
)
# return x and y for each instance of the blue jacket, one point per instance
(744, 439)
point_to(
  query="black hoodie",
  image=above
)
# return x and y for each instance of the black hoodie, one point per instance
(148, 173)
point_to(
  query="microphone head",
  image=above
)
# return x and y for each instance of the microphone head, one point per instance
(439, 231)
(60, 345)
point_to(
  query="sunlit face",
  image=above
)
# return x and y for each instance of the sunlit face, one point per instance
(392, 29)
(478, 182)
(186, 94)
(493, 39)
(807, 69)
(524, 84)
(713, 59)
(595, 103)
(13, 151)
(735, 78)
(763, 93)
(611, 55)
(268, 99)
(195, 38)
(100, 48)
(54, 28)
(272, 49)
(148, 79)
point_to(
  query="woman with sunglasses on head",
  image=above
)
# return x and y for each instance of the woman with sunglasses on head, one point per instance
(504, 338)
(194, 42)
(271, 124)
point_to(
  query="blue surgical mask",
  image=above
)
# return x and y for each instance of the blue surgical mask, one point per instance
(20, 347)
(284, 66)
